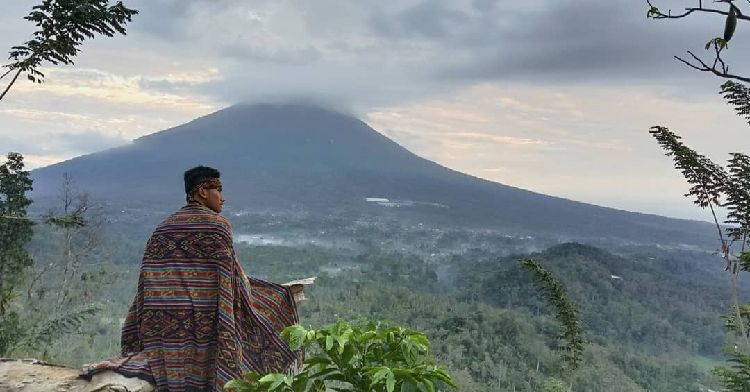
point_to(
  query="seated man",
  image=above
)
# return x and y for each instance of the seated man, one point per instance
(197, 320)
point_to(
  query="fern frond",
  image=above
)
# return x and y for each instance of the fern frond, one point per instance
(737, 95)
(738, 196)
(708, 179)
(47, 332)
(566, 312)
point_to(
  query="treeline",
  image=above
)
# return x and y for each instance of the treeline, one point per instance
(652, 316)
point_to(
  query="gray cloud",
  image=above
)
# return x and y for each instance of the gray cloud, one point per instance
(429, 20)
(366, 55)
(62, 143)
(585, 40)
(374, 54)
(371, 53)
(160, 19)
(169, 20)
(246, 51)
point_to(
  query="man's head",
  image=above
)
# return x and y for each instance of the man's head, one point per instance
(202, 185)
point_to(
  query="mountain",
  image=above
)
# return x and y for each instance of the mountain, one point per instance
(303, 158)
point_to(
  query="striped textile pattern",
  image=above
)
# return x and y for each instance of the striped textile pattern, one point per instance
(197, 320)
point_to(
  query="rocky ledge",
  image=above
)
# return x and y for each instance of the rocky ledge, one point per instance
(31, 375)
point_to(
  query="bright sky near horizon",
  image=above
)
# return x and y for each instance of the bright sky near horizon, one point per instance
(554, 96)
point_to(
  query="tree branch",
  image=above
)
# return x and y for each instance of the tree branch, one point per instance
(702, 66)
(656, 14)
(10, 84)
(6, 73)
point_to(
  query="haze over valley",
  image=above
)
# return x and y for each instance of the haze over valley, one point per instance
(492, 174)
(312, 192)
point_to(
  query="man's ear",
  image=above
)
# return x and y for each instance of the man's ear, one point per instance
(202, 192)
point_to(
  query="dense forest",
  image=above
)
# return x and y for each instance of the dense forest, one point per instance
(654, 312)
(652, 315)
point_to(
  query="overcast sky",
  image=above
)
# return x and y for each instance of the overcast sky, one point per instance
(554, 96)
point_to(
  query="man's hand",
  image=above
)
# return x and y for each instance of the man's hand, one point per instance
(298, 292)
(297, 287)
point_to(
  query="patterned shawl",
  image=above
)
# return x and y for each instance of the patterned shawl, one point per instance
(197, 320)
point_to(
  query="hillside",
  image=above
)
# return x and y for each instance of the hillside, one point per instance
(301, 158)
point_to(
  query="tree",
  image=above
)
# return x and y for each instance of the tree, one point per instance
(15, 231)
(80, 232)
(62, 26)
(77, 225)
(733, 13)
(714, 186)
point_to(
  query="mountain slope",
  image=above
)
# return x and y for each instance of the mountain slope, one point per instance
(294, 157)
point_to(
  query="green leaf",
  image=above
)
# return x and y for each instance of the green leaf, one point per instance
(276, 379)
(443, 376)
(268, 378)
(429, 385)
(349, 354)
(369, 335)
(378, 374)
(252, 376)
(343, 339)
(325, 373)
(340, 327)
(390, 382)
(238, 385)
(295, 336)
(420, 338)
(312, 361)
(329, 342)
(408, 387)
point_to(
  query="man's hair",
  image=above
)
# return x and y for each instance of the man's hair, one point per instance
(199, 174)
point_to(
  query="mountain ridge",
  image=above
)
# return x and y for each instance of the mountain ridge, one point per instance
(291, 156)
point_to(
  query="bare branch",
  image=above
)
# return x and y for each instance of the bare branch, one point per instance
(724, 67)
(656, 14)
(36, 279)
(702, 66)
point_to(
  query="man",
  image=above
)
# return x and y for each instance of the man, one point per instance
(197, 320)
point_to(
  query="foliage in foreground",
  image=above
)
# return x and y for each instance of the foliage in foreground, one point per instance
(365, 357)
(735, 376)
(565, 311)
(62, 26)
(715, 187)
(15, 232)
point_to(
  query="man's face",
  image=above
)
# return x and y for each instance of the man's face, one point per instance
(212, 198)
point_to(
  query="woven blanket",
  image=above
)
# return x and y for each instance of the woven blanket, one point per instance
(197, 320)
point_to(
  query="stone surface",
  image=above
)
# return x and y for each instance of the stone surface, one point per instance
(37, 376)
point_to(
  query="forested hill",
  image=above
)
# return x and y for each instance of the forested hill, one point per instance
(316, 161)
(654, 326)
(659, 303)
(657, 328)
